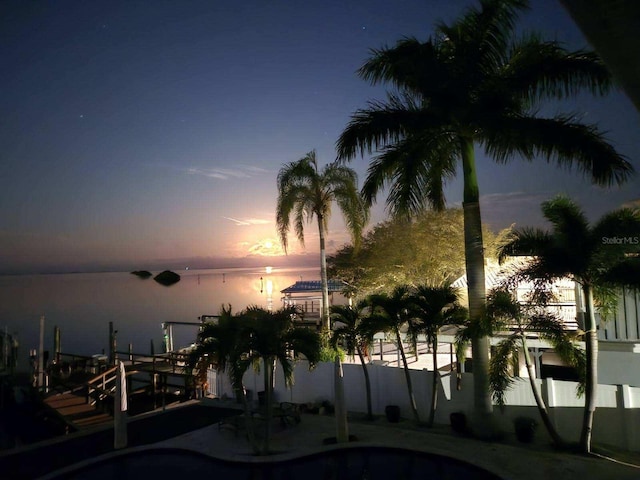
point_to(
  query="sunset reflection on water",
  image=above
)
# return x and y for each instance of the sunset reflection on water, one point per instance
(83, 304)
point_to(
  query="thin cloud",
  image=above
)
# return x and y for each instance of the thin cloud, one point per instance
(522, 197)
(242, 171)
(248, 221)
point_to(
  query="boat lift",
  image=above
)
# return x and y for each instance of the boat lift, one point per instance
(167, 330)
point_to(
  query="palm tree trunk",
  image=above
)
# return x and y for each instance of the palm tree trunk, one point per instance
(342, 424)
(591, 381)
(542, 408)
(474, 259)
(407, 376)
(367, 382)
(268, 390)
(324, 312)
(248, 418)
(434, 384)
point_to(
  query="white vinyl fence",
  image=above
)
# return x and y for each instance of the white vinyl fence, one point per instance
(616, 419)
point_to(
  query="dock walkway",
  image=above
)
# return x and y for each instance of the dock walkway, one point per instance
(73, 407)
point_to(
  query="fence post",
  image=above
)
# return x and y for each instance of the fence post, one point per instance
(623, 405)
(550, 392)
(549, 397)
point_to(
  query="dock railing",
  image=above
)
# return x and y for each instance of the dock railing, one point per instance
(102, 386)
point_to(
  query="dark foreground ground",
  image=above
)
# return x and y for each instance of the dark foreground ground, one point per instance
(40, 459)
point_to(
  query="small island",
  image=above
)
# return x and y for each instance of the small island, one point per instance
(167, 278)
(141, 273)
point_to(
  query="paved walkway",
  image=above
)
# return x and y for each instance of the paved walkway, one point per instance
(508, 458)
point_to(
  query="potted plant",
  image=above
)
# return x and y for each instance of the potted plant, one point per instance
(393, 413)
(458, 422)
(525, 428)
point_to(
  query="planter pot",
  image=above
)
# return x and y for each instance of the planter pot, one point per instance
(393, 413)
(525, 429)
(458, 422)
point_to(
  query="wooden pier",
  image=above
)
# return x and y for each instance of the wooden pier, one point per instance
(154, 381)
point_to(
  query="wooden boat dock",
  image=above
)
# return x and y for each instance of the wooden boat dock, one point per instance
(154, 381)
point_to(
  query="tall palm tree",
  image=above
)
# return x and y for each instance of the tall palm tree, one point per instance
(505, 312)
(603, 254)
(436, 307)
(391, 313)
(306, 192)
(355, 333)
(473, 84)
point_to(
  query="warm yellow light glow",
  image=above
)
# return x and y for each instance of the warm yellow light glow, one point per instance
(267, 248)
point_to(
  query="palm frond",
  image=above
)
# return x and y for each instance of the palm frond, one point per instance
(408, 64)
(500, 375)
(416, 170)
(483, 34)
(566, 217)
(552, 329)
(624, 273)
(525, 242)
(540, 69)
(380, 124)
(571, 144)
(503, 309)
(340, 184)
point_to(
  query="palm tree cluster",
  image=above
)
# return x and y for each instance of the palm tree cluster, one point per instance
(259, 339)
(474, 84)
(407, 314)
(580, 251)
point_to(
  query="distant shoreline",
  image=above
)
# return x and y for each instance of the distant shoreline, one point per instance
(178, 265)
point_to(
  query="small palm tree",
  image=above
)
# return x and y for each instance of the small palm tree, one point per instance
(436, 307)
(272, 337)
(355, 334)
(252, 338)
(220, 344)
(306, 192)
(474, 84)
(216, 347)
(591, 256)
(391, 313)
(525, 320)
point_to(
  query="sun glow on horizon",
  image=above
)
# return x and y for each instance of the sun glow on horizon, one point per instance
(266, 247)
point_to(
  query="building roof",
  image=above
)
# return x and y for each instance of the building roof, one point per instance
(495, 274)
(314, 286)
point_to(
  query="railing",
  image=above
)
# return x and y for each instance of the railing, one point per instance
(106, 388)
(177, 361)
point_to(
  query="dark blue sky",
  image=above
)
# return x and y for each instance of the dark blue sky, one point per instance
(140, 130)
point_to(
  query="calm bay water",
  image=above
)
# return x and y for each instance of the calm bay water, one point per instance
(83, 304)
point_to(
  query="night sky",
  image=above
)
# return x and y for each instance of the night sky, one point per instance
(137, 131)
